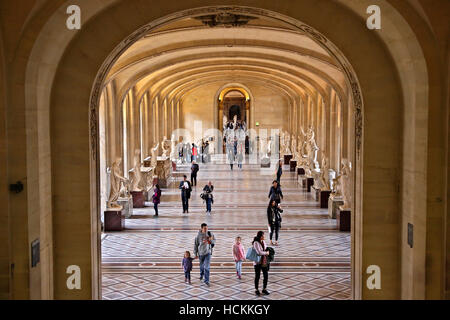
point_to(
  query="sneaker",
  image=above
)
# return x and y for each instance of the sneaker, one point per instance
(207, 284)
(266, 292)
(190, 282)
(257, 293)
(239, 277)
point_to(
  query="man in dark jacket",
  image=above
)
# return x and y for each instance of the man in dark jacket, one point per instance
(186, 189)
(194, 170)
(274, 220)
(279, 171)
(275, 192)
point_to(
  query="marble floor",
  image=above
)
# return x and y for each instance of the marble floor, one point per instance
(312, 259)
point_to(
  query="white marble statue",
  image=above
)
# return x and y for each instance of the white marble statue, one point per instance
(116, 181)
(312, 149)
(136, 178)
(269, 147)
(224, 122)
(173, 149)
(325, 173)
(293, 145)
(338, 181)
(346, 180)
(234, 121)
(154, 160)
(165, 147)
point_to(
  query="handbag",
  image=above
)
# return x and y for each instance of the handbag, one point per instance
(252, 255)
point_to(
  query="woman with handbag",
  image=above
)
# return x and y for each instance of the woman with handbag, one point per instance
(274, 220)
(263, 265)
(275, 192)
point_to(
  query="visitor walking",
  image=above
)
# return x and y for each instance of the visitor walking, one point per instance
(274, 220)
(208, 196)
(239, 256)
(194, 170)
(186, 190)
(263, 265)
(187, 266)
(204, 242)
(156, 198)
(275, 192)
(279, 171)
(194, 152)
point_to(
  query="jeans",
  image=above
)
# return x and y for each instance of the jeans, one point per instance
(155, 205)
(265, 270)
(240, 165)
(274, 228)
(187, 275)
(208, 204)
(278, 177)
(193, 179)
(185, 201)
(205, 262)
(239, 267)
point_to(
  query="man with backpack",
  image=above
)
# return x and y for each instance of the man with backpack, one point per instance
(203, 246)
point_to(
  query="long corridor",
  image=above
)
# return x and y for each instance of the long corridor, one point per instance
(312, 260)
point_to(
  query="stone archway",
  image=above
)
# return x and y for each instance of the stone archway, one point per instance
(63, 179)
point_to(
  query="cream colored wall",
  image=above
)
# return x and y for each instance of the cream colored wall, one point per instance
(198, 105)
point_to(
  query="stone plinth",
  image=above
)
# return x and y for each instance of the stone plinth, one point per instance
(333, 205)
(265, 162)
(163, 171)
(174, 166)
(343, 219)
(300, 171)
(287, 158)
(309, 184)
(292, 165)
(324, 196)
(127, 206)
(148, 162)
(316, 193)
(138, 199)
(114, 220)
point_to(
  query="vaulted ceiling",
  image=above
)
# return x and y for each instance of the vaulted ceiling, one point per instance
(175, 58)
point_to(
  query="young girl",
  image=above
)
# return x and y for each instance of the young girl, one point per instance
(239, 256)
(187, 266)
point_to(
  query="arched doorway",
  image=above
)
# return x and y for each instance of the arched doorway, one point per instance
(371, 100)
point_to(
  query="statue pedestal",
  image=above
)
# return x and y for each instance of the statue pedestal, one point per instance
(174, 166)
(292, 165)
(127, 206)
(163, 171)
(148, 162)
(114, 220)
(287, 158)
(333, 205)
(324, 196)
(301, 171)
(309, 184)
(138, 199)
(265, 162)
(343, 219)
(316, 193)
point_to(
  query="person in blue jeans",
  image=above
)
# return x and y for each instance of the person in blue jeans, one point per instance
(204, 242)
(208, 189)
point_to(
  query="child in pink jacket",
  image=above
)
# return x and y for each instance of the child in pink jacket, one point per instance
(239, 256)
